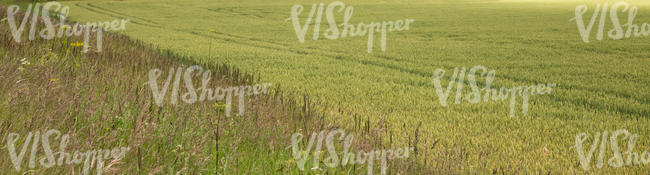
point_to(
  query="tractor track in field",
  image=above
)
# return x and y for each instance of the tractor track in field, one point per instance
(122, 14)
(338, 55)
(90, 8)
(231, 10)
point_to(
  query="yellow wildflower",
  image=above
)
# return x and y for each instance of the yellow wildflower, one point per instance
(77, 44)
(217, 105)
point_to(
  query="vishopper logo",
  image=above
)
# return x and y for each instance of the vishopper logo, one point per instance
(333, 32)
(89, 158)
(346, 157)
(627, 158)
(617, 32)
(206, 92)
(52, 30)
(484, 94)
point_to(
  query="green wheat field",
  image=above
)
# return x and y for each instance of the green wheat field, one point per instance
(386, 99)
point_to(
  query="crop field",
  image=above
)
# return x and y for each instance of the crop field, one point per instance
(393, 84)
